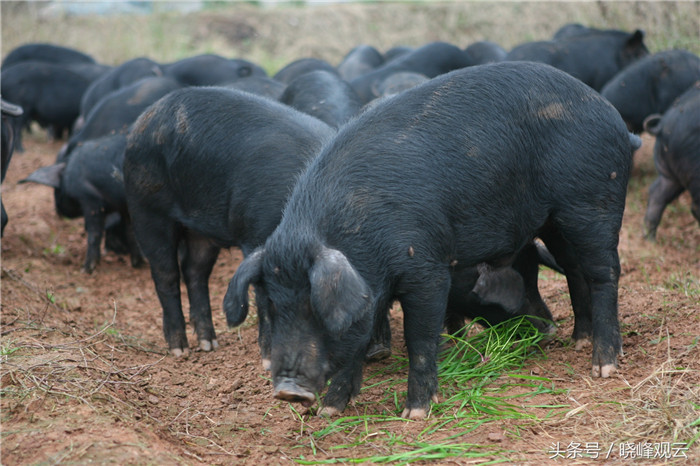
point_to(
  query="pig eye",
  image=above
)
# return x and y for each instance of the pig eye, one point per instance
(245, 71)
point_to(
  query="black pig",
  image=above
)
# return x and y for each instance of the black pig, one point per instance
(432, 59)
(49, 93)
(51, 53)
(499, 294)
(593, 57)
(323, 95)
(88, 183)
(118, 77)
(208, 168)
(358, 61)
(211, 70)
(493, 295)
(293, 70)
(676, 156)
(117, 110)
(651, 85)
(485, 51)
(259, 85)
(465, 169)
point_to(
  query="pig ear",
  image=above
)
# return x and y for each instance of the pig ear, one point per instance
(49, 176)
(339, 295)
(636, 38)
(651, 124)
(502, 286)
(10, 109)
(236, 299)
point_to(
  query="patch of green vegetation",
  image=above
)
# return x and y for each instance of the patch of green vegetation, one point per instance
(684, 282)
(6, 349)
(55, 250)
(479, 383)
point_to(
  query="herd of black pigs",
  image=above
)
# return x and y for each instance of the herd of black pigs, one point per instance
(437, 176)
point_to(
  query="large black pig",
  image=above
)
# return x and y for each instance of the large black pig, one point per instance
(676, 156)
(594, 57)
(51, 53)
(208, 168)
(465, 169)
(49, 93)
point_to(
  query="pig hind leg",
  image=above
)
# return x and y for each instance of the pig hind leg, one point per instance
(158, 238)
(579, 290)
(588, 254)
(694, 189)
(199, 257)
(380, 344)
(662, 192)
(94, 216)
(132, 244)
(527, 264)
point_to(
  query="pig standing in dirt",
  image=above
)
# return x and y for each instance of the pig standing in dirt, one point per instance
(87, 183)
(676, 156)
(207, 168)
(466, 168)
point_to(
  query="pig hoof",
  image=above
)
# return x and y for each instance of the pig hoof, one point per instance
(581, 344)
(266, 363)
(287, 389)
(206, 345)
(415, 413)
(328, 411)
(377, 353)
(549, 334)
(604, 371)
(180, 352)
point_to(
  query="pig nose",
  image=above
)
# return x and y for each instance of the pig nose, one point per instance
(289, 390)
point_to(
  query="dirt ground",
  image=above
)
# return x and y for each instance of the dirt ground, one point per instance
(86, 376)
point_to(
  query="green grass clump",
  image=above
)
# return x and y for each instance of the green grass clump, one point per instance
(686, 283)
(479, 383)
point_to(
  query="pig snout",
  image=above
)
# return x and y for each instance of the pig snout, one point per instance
(288, 389)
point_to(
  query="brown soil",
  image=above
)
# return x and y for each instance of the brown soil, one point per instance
(86, 375)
